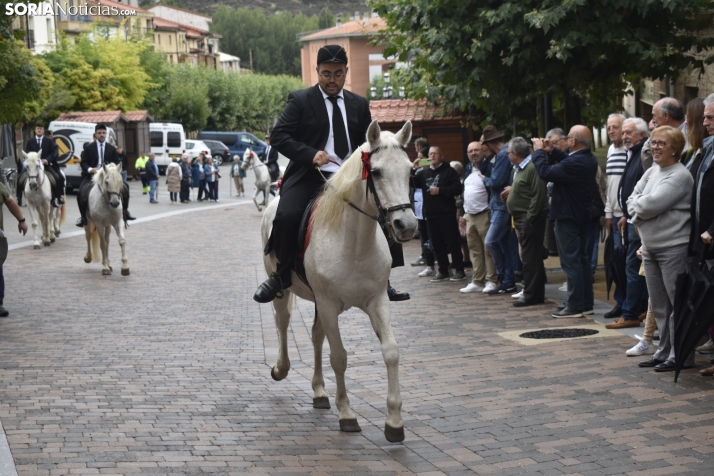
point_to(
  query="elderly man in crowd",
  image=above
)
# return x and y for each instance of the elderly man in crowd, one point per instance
(500, 240)
(614, 167)
(635, 133)
(557, 138)
(527, 204)
(477, 220)
(573, 178)
(440, 184)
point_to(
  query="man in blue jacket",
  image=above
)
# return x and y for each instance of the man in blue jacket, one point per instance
(573, 176)
(501, 240)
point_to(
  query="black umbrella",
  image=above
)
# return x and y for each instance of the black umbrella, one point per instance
(615, 259)
(693, 308)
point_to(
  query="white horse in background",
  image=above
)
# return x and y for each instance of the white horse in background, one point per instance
(347, 264)
(104, 211)
(262, 176)
(38, 193)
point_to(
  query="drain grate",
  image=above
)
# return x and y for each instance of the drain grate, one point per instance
(558, 333)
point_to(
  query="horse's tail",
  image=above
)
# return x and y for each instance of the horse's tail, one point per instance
(96, 253)
(63, 213)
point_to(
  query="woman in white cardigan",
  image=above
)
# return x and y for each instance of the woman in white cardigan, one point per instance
(659, 207)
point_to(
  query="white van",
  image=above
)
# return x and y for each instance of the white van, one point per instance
(167, 140)
(70, 138)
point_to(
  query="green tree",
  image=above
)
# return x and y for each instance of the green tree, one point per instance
(270, 40)
(184, 98)
(501, 57)
(325, 19)
(24, 82)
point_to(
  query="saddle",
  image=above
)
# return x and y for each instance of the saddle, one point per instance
(23, 177)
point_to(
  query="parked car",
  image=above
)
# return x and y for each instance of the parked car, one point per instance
(195, 147)
(237, 142)
(219, 151)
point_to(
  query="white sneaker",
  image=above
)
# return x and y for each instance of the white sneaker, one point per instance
(643, 347)
(707, 348)
(518, 295)
(490, 287)
(564, 287)
(471, 288)
(428, 271)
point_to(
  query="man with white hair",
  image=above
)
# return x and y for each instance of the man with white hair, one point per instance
(614, 167)
(634, 135)
(185, 179)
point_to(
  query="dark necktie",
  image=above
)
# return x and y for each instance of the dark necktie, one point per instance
(39, 142)
(338, 129)
(101, 153)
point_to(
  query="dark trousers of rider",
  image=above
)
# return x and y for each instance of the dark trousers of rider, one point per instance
(87, 180)
(445, 239)
(56, 190)
(2, 287)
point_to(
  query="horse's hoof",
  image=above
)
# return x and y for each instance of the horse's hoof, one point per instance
(86, 260)
(272, 374)
(58, 233)
(323, 403)
(350, 425)
(106, 272)
(125, 272)
(52, 240)
(46, 243)
(111, 269)
(393, 435)
(37, 247)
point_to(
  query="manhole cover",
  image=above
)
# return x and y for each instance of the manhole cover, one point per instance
(558, 333)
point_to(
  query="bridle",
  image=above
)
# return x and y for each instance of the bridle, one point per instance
(107, 194)
(382, 212)
(254, 162)
(40, 177)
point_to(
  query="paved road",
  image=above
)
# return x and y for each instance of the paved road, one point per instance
(167, 371)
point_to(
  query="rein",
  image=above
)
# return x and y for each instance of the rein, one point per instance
(107, 195)
(382, 212)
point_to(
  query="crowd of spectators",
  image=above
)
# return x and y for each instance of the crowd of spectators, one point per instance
(516, 203)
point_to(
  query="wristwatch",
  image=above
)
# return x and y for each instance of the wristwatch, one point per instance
(21, 221)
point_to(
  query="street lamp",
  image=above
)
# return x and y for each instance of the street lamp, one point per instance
(387, 91)
(402, 93)
(373, 92)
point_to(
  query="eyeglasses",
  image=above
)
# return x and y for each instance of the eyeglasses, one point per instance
(327, 75)
(658, 144)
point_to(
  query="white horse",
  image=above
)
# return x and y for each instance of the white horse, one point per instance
(347, 264)
(262, 176)
(38, 193)
(104, 212)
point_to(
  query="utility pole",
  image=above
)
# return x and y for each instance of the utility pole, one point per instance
(250, 58)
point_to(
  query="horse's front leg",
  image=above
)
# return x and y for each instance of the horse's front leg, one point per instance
(319, 396)
(282, 321)
(122, 243)
(88, 236)
(328, 313)
(104, 245)
(33, 220)
(378, 311)
(44, 215)
(255, 196)
(51, 223)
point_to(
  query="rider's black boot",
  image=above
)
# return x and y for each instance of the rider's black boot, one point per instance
(82, 222)
(395, 295)
(128, 216)
(272, 287)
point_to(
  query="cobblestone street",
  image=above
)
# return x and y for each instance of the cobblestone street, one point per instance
(167, 372)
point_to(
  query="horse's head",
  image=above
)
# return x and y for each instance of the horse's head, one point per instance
(110, 183)
(390, 169)
(248, 157)
(33, 169)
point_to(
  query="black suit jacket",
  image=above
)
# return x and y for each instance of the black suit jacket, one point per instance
(272, 157)
(304, 127)
(90, 156)
(46, 151)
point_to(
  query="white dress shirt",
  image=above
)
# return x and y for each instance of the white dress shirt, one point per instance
(330, 146)
(475, 194)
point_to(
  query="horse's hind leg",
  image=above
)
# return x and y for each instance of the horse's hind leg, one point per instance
(255, 195)
(378, 311)
(319, 396)
(328, 313)
(122, 243)
(282, 321)
(45, 220)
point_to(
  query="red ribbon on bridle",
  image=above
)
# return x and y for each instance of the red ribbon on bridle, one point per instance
(366, 165)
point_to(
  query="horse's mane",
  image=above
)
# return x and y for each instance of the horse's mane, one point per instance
(342, 183)
(116, 179)
(33, 158)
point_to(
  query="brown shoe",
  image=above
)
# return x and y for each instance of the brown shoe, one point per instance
(707, 372)
(642, 316)
(621, 323)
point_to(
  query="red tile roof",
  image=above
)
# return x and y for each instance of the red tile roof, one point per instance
(106, 117)
(352, 28)
(136, 116)
(402, 110)
(160, 22)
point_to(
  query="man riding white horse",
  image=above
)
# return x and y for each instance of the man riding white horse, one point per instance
(95, 155)
(320, 127)
(46, 149)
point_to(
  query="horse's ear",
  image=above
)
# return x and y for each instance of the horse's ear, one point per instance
(373, 134)
(119, 167)
(24, 155)
(405, 134)
(104, 167)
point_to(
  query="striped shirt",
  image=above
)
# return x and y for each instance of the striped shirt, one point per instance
(614, 168)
